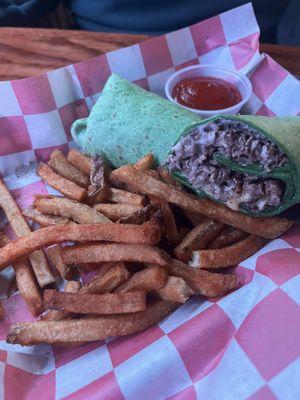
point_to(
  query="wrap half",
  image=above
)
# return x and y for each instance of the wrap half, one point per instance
(250, 163)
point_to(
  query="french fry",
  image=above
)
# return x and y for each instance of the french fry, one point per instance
(115, 252)
(227, 237)
(116, 211)
(198, 238)
(88, 329)
(109, 281)
(44, 237)
(21, 228)
(63, 207)
(176, 289)
(2, 312)
(57, 315)
(140, 216)
(123, 196)
(147, 279)
(230, 255)
(63, 167)
(54, 254)
(108, 303)
(270, 227)
(63, 185)
(168, 178)
(44, 219)
(26, 282)
(145, 163)
(203, 282)
(170, 227)
(80, 161)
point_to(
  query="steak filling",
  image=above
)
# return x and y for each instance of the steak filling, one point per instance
(193, 157)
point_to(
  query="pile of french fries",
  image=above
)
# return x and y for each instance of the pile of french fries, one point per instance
(149, 244)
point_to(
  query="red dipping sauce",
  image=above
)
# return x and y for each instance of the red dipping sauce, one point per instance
(206, 93)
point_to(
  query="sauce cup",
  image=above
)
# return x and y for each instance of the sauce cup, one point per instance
(241, 82)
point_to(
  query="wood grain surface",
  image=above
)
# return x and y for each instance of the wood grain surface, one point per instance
(30, 51)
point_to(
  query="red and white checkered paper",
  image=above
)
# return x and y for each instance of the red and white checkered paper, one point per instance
(243, 346)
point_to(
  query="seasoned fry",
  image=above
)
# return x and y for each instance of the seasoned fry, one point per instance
(26, 282)
(109, 281)
(176, 289)
(145, 163)
(123, 196)
(2, 312)
(113, 252)
(270, 227)
(116, 211)
(57, 315)
(198, 238)
(22, 247)
(88, 329)
(63, 207)
(54, 254)
(63, 185)
(171, 231)
(140, 216)
(80, 161)
(230, 255)
(147, 279)
(227, 237)
(203, 282)
(20, 227)
(63, 167)
(108, 303)
(43, 219)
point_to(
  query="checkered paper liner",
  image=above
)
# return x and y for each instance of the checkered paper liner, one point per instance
(242, 346)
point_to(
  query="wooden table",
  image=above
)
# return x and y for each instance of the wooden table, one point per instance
(26, 51)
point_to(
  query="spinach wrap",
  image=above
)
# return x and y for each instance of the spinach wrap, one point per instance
(250, 163)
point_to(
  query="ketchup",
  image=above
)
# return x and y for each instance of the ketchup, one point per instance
(206, 93)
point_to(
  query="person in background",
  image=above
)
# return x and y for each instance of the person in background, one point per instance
(279, 20)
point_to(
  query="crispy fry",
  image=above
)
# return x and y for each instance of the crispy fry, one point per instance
(270, 227)
(123, 196)
(2, 312)
(109, 281)
(140, 216)
(203, 282)
(26, 282)
(22, 247)
(44, 219)
(57, 315)
(78, 212)
(145, 163)
(176, 289)
(230, 255)
(101, 195)
(80, 161)
(116, 211)
(113, 252)
(227, 237)
(55, 257)
(198, 238)
(170, 227)
(63, 167)
(147, 279)
(108, 303)
(20, 227)
(88, 329)
(63, 185)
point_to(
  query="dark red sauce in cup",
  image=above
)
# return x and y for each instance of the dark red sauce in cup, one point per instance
(206, 93)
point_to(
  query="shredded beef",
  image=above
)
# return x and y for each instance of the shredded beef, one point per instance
(193, 157)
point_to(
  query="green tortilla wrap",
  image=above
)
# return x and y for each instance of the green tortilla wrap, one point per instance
(127, 122)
